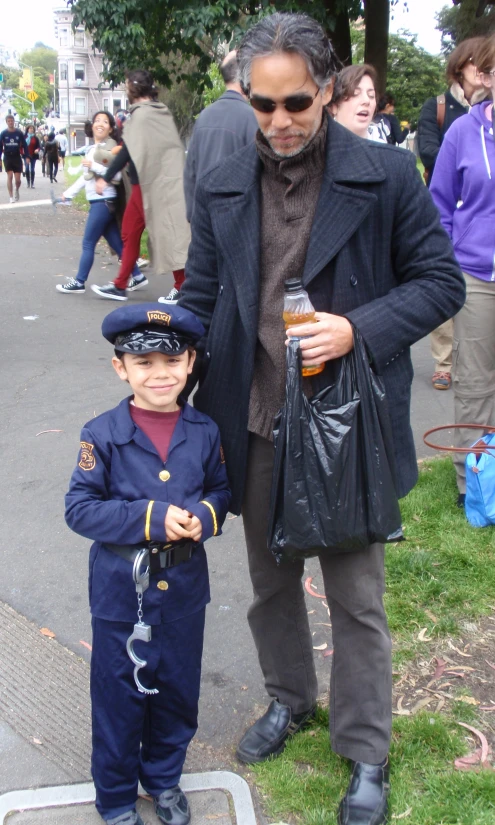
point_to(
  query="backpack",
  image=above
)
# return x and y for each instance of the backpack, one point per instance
(441, 106)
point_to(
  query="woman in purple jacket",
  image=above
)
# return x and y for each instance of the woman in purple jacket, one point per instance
(463, 188)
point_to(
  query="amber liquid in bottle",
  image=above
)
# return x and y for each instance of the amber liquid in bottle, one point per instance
(292, 319)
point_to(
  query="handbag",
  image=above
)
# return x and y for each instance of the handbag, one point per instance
(333, 486)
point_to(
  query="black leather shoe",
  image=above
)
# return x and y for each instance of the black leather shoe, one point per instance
(365, 802)
(268, 736)
(172, 807)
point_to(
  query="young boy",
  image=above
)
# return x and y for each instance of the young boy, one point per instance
(150, 474)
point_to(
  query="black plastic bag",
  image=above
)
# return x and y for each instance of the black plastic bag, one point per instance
(333, 487)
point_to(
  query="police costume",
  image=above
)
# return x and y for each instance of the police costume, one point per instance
(118, 497)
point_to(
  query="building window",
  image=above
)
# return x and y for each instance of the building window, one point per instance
(64, 40)
(63, 105)
(79, 37)
(105, 104)
(63, 71)
(80, 105)
(117, 104)
(79, 71)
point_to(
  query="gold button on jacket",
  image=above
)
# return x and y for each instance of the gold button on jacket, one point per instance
(164, 475)
(162, 585)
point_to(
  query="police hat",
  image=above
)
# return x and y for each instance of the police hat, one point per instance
(152, 328)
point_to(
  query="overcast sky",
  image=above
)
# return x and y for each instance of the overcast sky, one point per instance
(23, 24)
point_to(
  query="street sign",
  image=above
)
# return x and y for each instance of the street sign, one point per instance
(32, 96)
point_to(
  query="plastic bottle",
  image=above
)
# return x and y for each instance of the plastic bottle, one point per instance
(298, 309)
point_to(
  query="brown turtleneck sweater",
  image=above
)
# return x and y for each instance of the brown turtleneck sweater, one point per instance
(289, 194)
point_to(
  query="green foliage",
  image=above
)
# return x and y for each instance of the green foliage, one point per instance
(217, 87)
(10, 77)
(413, 75)
(457, 23)
(138, 33)
(42, 59)
(23, 107)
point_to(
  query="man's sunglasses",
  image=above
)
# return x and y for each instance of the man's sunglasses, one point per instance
(294, 103)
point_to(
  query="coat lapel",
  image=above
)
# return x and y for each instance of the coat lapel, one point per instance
(235, 216)
(341, 207)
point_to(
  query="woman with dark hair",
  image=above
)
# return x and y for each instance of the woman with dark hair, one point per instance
(437, 116)
(33, 145)
(101, 219)
(385, 114)
(353, 101)
(463, 188)
(155, 154)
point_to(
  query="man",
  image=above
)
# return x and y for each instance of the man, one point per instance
(221, 129)
(12, 142)
(62, 146)
(352, 218)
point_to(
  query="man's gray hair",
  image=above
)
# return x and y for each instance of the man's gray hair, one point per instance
(293, 33)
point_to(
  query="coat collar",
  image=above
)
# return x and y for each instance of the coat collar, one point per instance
(125, 430)
(349, 159)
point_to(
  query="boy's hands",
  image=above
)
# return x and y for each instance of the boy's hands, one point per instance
(180, 524)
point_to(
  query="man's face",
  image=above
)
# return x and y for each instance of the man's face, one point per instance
(276, 78)
(10, 123)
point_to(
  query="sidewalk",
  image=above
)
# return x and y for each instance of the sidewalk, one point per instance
(56, 377)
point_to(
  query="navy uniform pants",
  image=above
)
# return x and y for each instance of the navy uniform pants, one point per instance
(136, 736)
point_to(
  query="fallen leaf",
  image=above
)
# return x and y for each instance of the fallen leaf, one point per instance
(406, 813)
(308, 586)
(468, 700)
(441, 663)
(85, 644)
(310, 612)
(42, 432)
(244, 687)
(229, 518)
(487, 708)
(441, 703)
(416, 518)
(37, 741)
(320, 647)
(422, 637)
(422, 704)
(460, 652)
(400, 710)
(490, 664)
(431, 616)
(465, 762)
(46, 632)
(328, 653)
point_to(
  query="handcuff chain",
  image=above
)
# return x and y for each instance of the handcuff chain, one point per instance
(140, 608)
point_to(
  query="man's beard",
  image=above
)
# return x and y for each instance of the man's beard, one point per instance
(294, 152)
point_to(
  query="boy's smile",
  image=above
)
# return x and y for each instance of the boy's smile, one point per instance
(155, 378)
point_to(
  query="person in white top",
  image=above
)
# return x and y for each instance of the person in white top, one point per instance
(101, 219)
(63, 143)
(353, 102)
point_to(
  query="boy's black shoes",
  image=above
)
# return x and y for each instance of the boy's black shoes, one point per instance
(137, 283)
(110, 291)
(366, 800)
(129, 818)
(172, 807)
(268, 736)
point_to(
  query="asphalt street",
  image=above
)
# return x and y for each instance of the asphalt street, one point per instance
(56, 375)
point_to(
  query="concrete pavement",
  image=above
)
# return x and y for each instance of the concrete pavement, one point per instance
(56, 375)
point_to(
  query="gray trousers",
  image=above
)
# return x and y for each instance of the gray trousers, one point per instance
(361, 681)
(473, 367)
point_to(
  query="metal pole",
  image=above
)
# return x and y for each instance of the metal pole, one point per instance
(68, 107)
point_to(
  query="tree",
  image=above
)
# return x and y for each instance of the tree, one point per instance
(43, 60)
(10, 77)
(457, 23)
(24, 108)
(138, 33)
(413, 74)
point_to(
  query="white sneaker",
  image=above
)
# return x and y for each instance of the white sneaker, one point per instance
(11, 200)
(142, 262)
(171, 298)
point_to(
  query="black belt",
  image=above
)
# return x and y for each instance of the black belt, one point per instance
(161, 556)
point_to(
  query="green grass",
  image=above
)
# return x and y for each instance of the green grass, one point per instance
(447, 568)
(306, 783)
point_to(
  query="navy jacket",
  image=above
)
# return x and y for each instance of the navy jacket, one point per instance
(220, 130)
(377, 255)
(116, 496)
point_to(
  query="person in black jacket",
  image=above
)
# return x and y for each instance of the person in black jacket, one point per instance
(33, 153)
(437, 115)
(51, 153)
(385, 111)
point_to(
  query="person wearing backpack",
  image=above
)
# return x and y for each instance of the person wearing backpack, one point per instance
(437, 116)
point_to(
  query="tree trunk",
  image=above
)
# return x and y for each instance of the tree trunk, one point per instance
(376, 18)
(340, 35)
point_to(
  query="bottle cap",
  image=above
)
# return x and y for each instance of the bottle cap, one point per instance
(293, 285)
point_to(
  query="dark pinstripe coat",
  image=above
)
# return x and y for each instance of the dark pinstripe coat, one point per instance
(377, 254)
